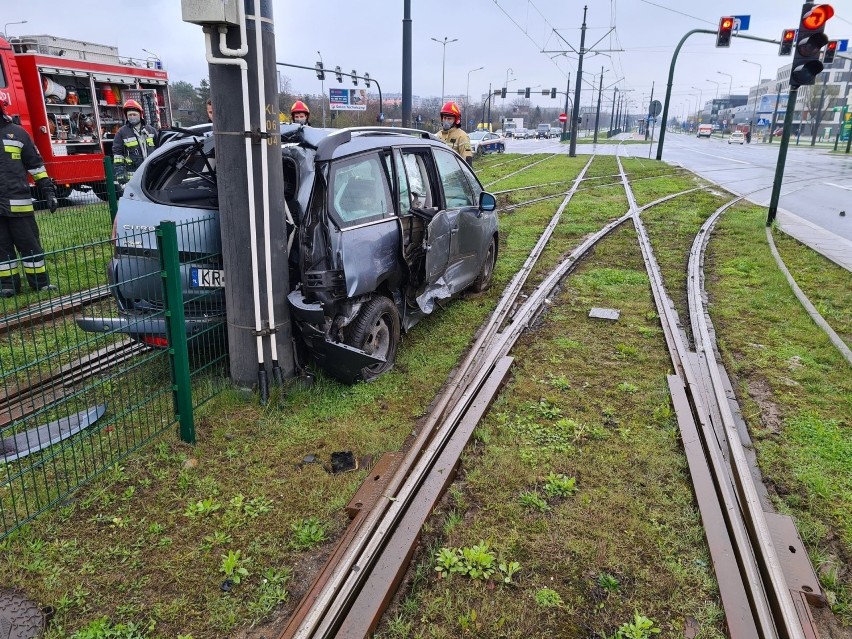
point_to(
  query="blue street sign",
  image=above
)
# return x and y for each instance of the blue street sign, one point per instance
(741, 23)
(842, 45)
(763, 122)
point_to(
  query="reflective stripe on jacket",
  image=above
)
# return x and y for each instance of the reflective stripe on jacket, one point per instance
(130, 148)
(18, 158)
(457, 140)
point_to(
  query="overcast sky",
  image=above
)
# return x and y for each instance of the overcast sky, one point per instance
(507, 37)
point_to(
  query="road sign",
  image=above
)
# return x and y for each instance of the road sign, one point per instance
(741, 23)
(763, 122)
(842, 45)
(656, 108)
(563, 117)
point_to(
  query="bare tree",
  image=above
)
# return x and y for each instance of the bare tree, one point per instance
(816, 101)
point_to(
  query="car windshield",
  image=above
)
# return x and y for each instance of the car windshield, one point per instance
(478, 135)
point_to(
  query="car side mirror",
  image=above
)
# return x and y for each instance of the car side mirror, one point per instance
(487, 202)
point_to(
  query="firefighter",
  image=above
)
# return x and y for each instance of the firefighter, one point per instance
(300, 113)
(18, 228)
(452, 134)
(133, 142)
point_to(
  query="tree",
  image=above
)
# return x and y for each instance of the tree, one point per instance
(816, 101)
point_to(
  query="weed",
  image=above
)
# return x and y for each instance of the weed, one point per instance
(608, 582)
(548, 410)
(103, 628)
(307, 533)
(272, 591)
(531, 499)
(559, 382)
(454, 518)
(202, 508)
(233, 566)
(508, 570)
(627, 387)
(467, 621)
(448, 561)
(479, 561)
(559, 485)
(640, 628)
(218, 538)
(547, 598)
(626, 351)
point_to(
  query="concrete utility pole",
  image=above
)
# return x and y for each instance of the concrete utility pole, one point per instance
(406, 64)
(648, 120)
(575, 113)
(254, 295)
(598, 111)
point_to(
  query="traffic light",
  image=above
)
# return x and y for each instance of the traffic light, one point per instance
(354, 77)
(726, 28)
(830, 51)
(788, 37)
(527, 92)
(553, 92)
(810, 40)
(338, 73)
(320, 71)
(503, 92)
(367, 79)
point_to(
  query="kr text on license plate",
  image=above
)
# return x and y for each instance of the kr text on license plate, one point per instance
(207, 278)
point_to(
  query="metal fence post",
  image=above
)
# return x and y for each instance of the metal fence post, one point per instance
(109, 181)
(170, 273)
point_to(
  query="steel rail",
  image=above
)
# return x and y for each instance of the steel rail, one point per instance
(764, 620)
(52, 308)
(763, 543)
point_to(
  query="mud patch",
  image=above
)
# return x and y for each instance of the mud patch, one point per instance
(770, 415)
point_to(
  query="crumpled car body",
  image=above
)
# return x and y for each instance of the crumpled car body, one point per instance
(388, 222)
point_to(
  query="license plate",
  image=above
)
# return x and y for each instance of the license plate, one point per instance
(207, 278)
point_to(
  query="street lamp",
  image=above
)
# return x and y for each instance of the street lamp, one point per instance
(322, 86)
(444, 42)
(730, 84)
(698, 108)
(467, 91)
(756, 89)
(6, 26)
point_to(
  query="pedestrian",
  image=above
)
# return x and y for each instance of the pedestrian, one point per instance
(748, 136)
(300, 113)
(209, 110)
(133, 142)
(452, 134)
(18, 227)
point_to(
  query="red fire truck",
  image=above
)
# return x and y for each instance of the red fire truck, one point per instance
(68, 94)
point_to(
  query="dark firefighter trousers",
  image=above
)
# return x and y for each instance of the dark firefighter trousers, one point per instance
(21, 232)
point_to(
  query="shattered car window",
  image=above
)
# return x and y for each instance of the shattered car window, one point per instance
(404, 192)
(457, 189)
(359, 191)
(418, 180)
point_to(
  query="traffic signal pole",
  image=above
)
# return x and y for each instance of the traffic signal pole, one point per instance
(665, 120)
(782, 155)
(598, 111)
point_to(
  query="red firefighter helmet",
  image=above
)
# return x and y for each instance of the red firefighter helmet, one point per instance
(132, 105)
(300, 107)
(451, 108)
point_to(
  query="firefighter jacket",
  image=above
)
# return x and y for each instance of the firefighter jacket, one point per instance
(19, 157)
(458, 141)
(130, 148)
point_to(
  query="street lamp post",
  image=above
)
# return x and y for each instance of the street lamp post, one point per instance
(467, 91)
(730, 91)
(698, 108)
(322, 85)
(6, 27)
(444, 43)
(756, 91)
(509, 72)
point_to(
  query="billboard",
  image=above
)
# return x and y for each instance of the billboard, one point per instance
(767, 103)
(347, 99)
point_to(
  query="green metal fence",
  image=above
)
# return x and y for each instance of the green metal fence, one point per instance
(77, 402)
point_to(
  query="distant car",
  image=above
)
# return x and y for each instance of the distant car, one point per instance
(737, 137)
(482, 142)
(704, 130)
(509, 132)
(543, 131)
(522, 133)
(387, 223)
(778, 131)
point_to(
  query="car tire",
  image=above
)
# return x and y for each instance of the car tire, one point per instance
(501, 148)
(486, 270)
(376, 331)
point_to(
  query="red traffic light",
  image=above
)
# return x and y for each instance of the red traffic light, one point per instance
(788, 35)
(723, 35)
(727, 23)
(832, 45)
(818, 16)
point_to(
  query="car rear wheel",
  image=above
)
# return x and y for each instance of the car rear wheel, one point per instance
(376, 332)
(486, 271)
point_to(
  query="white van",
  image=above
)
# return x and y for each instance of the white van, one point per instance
(705, 130)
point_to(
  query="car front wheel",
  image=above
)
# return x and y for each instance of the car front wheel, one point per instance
(376, 332)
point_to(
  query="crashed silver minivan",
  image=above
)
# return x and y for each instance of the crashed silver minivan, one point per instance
(387, 222)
